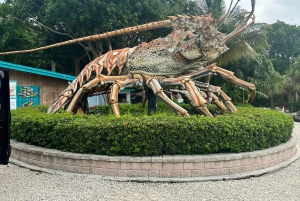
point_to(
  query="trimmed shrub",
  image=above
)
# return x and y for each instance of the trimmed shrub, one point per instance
(136, 134)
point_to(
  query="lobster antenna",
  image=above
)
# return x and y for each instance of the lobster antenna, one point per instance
(227, 14)
(143, 27)
(242, 24)
(222, 20)
(252, 10)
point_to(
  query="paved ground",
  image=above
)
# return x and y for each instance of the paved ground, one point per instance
(20, 184)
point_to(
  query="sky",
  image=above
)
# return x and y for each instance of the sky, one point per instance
(269, 11)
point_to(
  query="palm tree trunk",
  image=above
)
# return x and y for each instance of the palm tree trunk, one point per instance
(272, 101)
(77, 63)
(77, 66)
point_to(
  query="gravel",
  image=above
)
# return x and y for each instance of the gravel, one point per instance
(22, 184)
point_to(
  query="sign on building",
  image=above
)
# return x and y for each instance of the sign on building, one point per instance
(28, 96)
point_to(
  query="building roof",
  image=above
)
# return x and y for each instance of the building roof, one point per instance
(37, 71)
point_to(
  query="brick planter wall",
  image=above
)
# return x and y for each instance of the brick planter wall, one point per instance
(177, 166)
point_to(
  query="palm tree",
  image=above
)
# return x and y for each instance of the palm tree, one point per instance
(267, 80)
(248, 43)
(272, 85)
(292, 85)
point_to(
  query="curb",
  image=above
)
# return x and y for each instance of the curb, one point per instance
(19, 149)
(245, 175)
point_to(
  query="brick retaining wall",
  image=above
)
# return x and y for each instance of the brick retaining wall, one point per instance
(177, 166)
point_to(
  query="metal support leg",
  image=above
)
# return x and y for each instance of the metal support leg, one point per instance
(152, 102)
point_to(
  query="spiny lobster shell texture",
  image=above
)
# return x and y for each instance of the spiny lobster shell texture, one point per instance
(111, 63)
(174, 54)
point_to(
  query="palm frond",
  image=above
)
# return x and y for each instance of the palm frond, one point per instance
(236, 51)
(261, 95)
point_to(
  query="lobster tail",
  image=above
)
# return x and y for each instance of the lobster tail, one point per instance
(64, 97)
(112, 62)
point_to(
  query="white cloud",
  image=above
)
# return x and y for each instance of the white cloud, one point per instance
(269, 11)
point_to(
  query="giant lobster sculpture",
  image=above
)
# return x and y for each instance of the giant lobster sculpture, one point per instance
(174, 62)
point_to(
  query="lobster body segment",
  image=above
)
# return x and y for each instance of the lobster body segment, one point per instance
(172, 55)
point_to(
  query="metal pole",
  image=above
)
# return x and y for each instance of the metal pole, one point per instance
(5, 118)
(152, 105)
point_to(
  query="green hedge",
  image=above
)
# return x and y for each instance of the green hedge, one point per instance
(137, 134)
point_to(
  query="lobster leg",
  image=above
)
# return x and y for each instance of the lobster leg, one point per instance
(218, 103)
(212, 91)
(64, 97)
(99, 81)
(227, 100)
(212, 98)
(158, 91)
(225, 74)
(197, 101)
(116, 87)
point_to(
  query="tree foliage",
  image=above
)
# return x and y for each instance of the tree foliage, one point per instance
(284, 40)
(14, 36)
